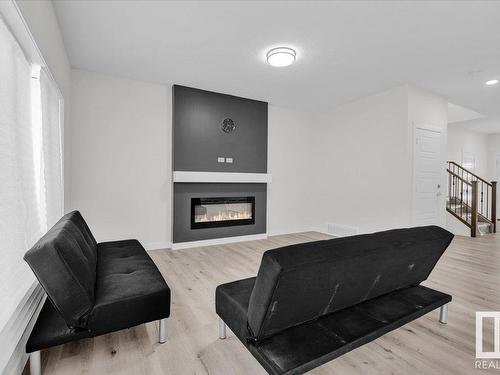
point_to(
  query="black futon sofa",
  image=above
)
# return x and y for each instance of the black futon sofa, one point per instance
(313, 302)
(92, 288)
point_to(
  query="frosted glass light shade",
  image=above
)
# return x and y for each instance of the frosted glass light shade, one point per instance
(281, 56)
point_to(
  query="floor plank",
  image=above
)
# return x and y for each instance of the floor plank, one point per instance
(469, 271)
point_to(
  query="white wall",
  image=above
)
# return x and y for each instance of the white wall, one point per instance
(292, 203)
(121, 161)
(362, 157)
(427, 108)
(493, 150)
(362, 161)
(462, 140)
(120, 168)
(42, 22)
(351, 166)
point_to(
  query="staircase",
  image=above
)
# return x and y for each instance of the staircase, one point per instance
(472, 200)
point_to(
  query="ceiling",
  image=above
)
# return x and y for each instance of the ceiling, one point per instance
(345, 50)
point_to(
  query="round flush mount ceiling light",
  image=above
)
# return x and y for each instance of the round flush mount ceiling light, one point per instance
(492, 82)
(281, 56)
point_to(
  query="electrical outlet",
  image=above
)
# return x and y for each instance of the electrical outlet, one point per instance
(220, 160)
(229, 160)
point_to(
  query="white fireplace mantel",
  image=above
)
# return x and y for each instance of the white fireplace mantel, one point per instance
(221, 177)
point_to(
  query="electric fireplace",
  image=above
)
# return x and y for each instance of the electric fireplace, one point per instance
(222, 212)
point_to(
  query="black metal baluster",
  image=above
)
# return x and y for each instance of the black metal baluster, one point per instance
(455, 195)
(467, 205)
(461, 198)
(487, 202)
(482, 207)
(448, 203)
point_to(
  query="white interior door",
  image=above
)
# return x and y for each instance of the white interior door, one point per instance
(428, 172)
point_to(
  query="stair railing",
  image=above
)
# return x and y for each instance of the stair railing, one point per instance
(471, 198)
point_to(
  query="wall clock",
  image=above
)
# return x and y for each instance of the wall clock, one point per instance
(228, 125)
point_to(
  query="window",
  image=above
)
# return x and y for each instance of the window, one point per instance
(31, 183)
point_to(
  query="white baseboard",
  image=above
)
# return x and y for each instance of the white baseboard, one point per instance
(218, 241)
(297, 231)
(158, 245)
(341, 230)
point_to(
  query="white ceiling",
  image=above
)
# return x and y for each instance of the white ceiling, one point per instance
(346, 50)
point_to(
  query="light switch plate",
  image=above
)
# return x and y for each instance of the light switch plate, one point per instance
(220, 160)
(229, 160)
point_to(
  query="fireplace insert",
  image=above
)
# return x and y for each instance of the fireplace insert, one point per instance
(222, 212)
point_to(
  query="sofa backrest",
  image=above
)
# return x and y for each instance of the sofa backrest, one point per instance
(64, 261)
(302, 282)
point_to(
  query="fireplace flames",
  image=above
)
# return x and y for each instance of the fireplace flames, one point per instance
(224, 215)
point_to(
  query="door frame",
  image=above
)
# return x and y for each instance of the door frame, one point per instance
(442, 200)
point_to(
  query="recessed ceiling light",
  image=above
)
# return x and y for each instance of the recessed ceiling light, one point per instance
(492, 82)
(281, 56)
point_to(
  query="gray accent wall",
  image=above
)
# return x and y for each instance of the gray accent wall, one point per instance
(198, 140)
(183, 192)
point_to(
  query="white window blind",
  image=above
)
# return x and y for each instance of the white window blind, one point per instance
(19, 224)
(30, 168)
(52, 174)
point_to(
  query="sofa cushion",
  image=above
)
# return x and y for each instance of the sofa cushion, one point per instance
(231, 304)
(130, 289)
(299, 349)
(66, 256)
(302, 282)
(51, 329)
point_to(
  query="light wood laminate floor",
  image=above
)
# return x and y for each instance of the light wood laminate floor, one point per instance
(469, 271)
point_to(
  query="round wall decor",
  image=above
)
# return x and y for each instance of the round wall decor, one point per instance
(228, 125)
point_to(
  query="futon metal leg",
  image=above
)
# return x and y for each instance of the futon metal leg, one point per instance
(35, 363)
(222, 329)
(443, 314)
(162, 329)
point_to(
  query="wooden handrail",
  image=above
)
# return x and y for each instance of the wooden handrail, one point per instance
(469, 172)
